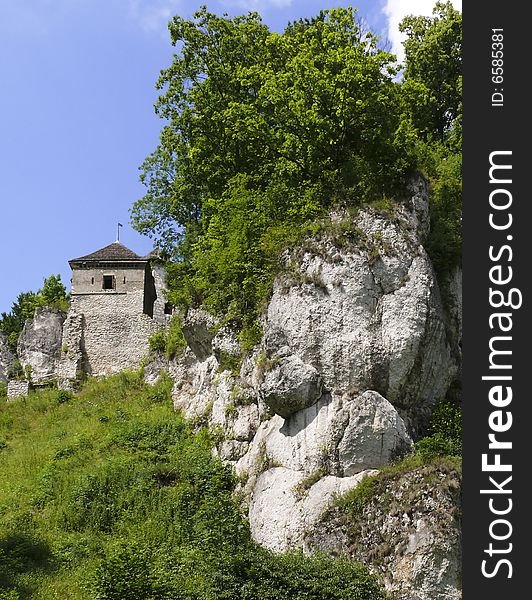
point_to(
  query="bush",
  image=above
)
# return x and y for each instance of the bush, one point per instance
(170, 342)
(62, 396)
(126, 573)
(250, 573)
(136, 507)
(175, 342)
(445, 437)
(157, 341)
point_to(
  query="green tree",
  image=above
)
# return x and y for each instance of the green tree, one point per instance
(432, 120)
(22, 309)
(264, 131)
(53, 292)
(433, 71)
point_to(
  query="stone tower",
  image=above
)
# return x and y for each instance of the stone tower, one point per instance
(114, 300)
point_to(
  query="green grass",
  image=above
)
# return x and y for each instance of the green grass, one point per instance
(109, 495)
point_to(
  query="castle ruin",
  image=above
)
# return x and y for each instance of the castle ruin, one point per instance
(117, 303)
(115, 307)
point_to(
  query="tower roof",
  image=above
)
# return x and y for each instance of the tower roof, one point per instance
(115, 252)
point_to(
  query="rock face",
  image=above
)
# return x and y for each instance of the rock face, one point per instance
(409, 533)
(291, 385)
(357, 348)
(39, 344)
(367, 319)
(283, 508)
(6, 357)
(198, 329)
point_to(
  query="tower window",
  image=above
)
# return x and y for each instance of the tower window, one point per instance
(168, 308)
(124, 279)
(109, 282)
(92, 280)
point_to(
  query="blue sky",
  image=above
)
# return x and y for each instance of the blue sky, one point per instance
(77, 87)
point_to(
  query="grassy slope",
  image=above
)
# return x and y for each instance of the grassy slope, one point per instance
(109, 495)
(50, 448)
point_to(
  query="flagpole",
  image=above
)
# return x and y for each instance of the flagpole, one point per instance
(118, 225)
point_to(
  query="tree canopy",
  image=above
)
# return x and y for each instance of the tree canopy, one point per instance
(433, 70)
(266, 131)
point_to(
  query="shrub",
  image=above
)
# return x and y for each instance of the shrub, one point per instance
(137, 507)
(175, 342)
(124, 574)
(445, 437)
(157, 341)
(62, 396)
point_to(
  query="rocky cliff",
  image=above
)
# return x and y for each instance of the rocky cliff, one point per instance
(408, 530)
(357, 348)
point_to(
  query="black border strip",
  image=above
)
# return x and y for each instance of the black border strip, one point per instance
(496, 120)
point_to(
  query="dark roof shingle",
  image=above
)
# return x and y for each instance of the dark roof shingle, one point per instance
(114, 252)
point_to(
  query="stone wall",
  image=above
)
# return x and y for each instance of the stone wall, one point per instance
(104, 332)
(90, 281)
(113, 334)
(17, 389)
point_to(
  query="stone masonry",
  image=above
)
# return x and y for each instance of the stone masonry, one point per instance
(117, 303)
(112, 312)
(17, 389)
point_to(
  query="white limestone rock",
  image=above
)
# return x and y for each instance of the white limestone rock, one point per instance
(290, 386)
(155, 366)
(193, 391)
(365, 320)
(373, 434)
(198, 330)
(342, 436)
(246, 422)
(7, 358)
(39, 344)
(356, 349)
(282, 510)
(408, 532)
(225, 344)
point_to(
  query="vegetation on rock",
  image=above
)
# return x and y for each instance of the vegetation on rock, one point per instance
(441, 449)
(265, 132)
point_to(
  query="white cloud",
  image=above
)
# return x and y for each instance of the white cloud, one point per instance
(153, 15)
(250, 5)
(396, 10)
